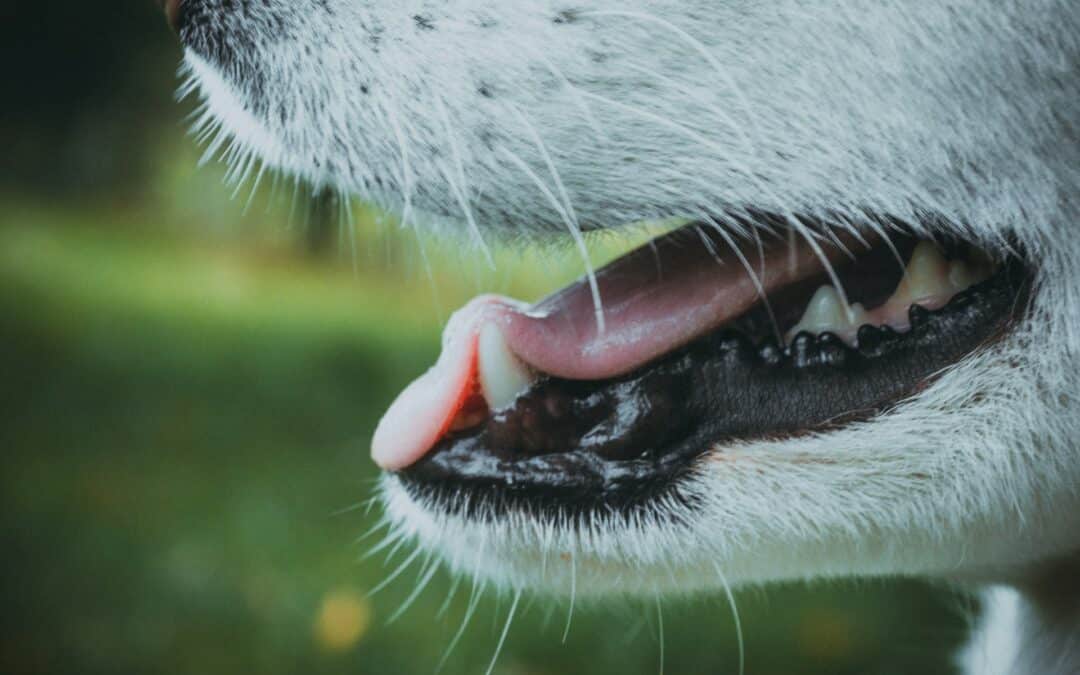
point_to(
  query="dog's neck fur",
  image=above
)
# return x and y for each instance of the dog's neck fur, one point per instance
(1032, 626)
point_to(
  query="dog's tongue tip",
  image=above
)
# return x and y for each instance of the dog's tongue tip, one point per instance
(449, 392)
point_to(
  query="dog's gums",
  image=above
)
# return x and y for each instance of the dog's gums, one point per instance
(503, 429)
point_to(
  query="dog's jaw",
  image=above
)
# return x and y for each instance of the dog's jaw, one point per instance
(903, 494)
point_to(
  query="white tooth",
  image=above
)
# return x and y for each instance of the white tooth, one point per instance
(964, 275)
(826, 313)
(926, 277)
(961, 276)
(503, 377)
(857, 316)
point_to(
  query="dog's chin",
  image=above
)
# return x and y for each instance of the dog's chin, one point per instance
(603, 556)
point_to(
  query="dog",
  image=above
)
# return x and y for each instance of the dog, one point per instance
(860, 356)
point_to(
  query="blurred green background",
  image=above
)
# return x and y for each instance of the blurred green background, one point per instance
(189, 382)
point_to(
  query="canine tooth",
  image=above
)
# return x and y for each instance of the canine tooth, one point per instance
(503, 377)
(961, 276)
(926, 277)
(857, 315)
(964, 275)
(826, 313)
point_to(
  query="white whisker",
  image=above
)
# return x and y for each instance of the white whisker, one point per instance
(735, 616)
(420, 586)
(505, 631)
(398, 572)
(458, 185)
(809, 237)
(569, 217)
(470, 611)
(750, 271)
(660, 631)
(445, 606)
(573, 599)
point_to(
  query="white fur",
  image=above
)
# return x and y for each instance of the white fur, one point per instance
(1035, 631)
(531, 116)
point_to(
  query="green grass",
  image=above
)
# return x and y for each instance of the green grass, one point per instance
(185, 442)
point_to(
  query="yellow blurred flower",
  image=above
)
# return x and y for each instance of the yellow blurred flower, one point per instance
(343, 618)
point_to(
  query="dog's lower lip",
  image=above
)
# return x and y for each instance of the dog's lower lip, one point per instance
(620, 441)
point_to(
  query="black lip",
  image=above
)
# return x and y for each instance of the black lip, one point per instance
(633, 437)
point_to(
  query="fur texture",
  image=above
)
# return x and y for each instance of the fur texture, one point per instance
(534, 117)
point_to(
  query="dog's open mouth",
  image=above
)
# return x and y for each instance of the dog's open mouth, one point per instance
(701, 340)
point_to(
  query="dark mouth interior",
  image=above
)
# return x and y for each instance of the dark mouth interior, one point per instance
(568, 446)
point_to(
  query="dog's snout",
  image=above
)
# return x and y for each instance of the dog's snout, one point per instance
(172, 11)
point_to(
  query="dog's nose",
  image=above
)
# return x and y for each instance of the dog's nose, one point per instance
(172, 11)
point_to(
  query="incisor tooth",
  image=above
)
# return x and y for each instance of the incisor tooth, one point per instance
(826, 313)
(503, 377)
(926, 277)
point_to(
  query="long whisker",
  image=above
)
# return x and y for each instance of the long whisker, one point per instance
(345, 214)
(594, 287)
(383, 522)
(408, 188)
(420, 586)
(735, 615)
(445, 606)
(365, 506)
(470, 611)
(505, 631)
(457, 186)
(401, 541)
(660, 631)
(701, 49)
(392, 537)
(397, 573)
(585, 109)
(883, 232)
(750, 271)
(796, 223)
(573, 599)
(572, 222)
(690, 133)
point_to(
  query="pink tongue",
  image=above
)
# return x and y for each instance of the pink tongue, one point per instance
(655, 300)
(430, 406)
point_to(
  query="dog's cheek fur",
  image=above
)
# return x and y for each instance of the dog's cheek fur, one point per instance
(532, 116)
(657, 108)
